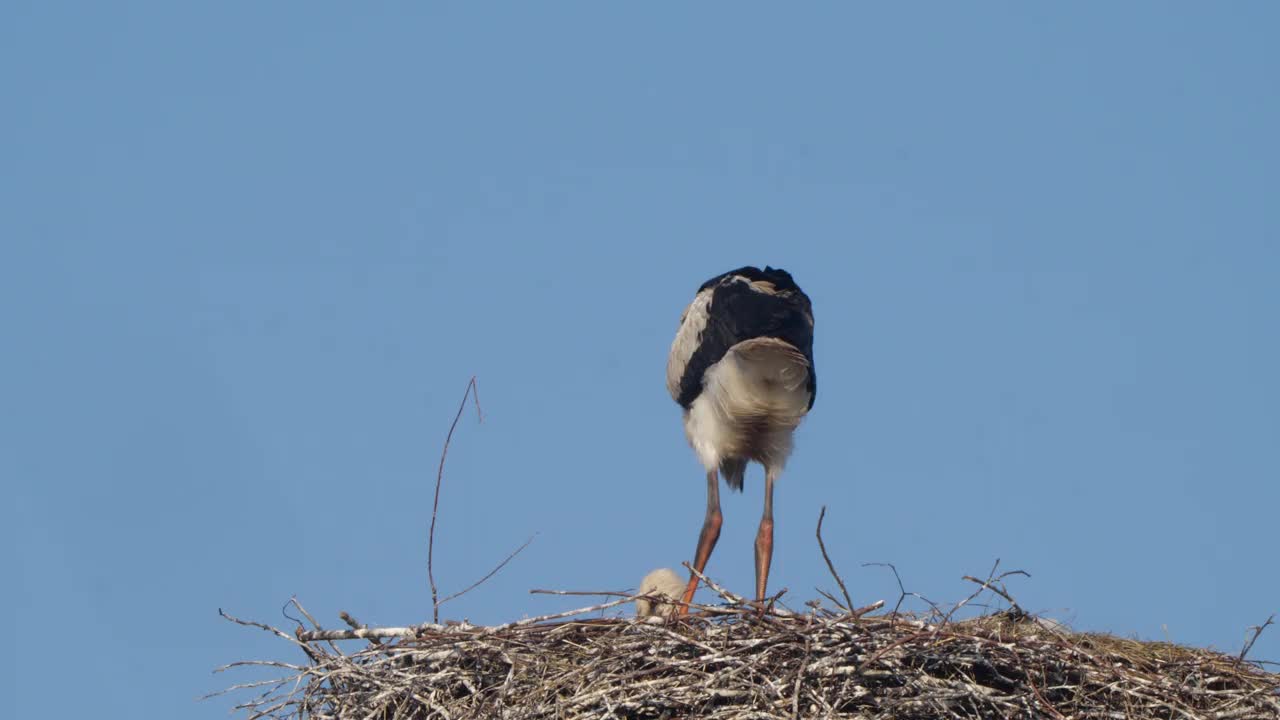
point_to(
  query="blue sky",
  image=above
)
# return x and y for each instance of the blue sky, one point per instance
(253, 252)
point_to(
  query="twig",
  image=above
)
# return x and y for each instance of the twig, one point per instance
(556, 616)
(416, 630)
(830, 597)
(252, 623)
(769, 602)
(293, 600)
(492, 572)
(367, 633)
(607, 593)
(902, 590)
(830, 566)
(356, 625)
(989, 584)
(628, 596)
(804, 660)
(730, 597)
(274, 631)
(1000, 590)
(976, 593)
(299, 630)
(284, 612)
(859, 612)
(1257, 630)
(435, 503)
(1044, 701)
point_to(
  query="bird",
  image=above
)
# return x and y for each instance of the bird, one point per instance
(661, 583)
(741, 369)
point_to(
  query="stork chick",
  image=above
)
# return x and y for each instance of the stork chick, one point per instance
(741, 368)
(661, 583)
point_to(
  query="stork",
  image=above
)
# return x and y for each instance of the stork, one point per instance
(741, 368)
(662, 589)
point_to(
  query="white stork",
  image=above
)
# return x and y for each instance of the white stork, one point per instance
(741, 367)
(665, 587)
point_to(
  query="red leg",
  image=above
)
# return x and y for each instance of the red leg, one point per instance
(764, 539)
(706, 539)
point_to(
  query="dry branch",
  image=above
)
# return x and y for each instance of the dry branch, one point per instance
(474, 392)
(848, 603)
(490, 574)
(1257, 630)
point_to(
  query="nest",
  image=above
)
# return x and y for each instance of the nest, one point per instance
(735, 662)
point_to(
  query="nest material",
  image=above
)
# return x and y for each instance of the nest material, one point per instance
(737, 664)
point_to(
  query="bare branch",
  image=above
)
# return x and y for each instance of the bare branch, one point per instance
(299, 630)
(356, 625)
(902, 590)
(474, 391)
(251, 623)
(492, 572)
(368, 633)
(1000, 590)
(990, 584)
(859, 612)
(606, 593)
(830, 597)
(728, 596)
(274, 631)
(1257, 630)
(830, 566)
(568, 613)
(417, 630)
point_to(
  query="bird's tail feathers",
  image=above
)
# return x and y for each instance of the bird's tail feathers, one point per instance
(776, 373)
(733, 470)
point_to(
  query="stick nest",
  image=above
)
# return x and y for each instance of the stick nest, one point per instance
(736, 664)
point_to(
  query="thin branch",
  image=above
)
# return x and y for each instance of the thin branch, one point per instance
(492, 572)
(293, 600)
(416, 630)
(628, 596)
(435, 503)
(605, 593)
(830, 566)
(859, 612)
(1001, 590)
(284, 611)
(274, 631)
(804, 661)
(830, 597)
(989, 584)
(355, 624)
(299, 630)
(367, 633)
(773, 600)
(902, 590)
(252, 623)
(730, 597)
(1257, 630)
(560, 615)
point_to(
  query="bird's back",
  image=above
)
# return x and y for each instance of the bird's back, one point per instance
(740, 305)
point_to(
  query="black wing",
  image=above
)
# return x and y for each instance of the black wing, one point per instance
(739, 312)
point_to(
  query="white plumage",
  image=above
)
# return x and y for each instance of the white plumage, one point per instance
(661, 583)
(751, 402)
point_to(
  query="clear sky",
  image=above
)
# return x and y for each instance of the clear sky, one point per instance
(252, 252)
